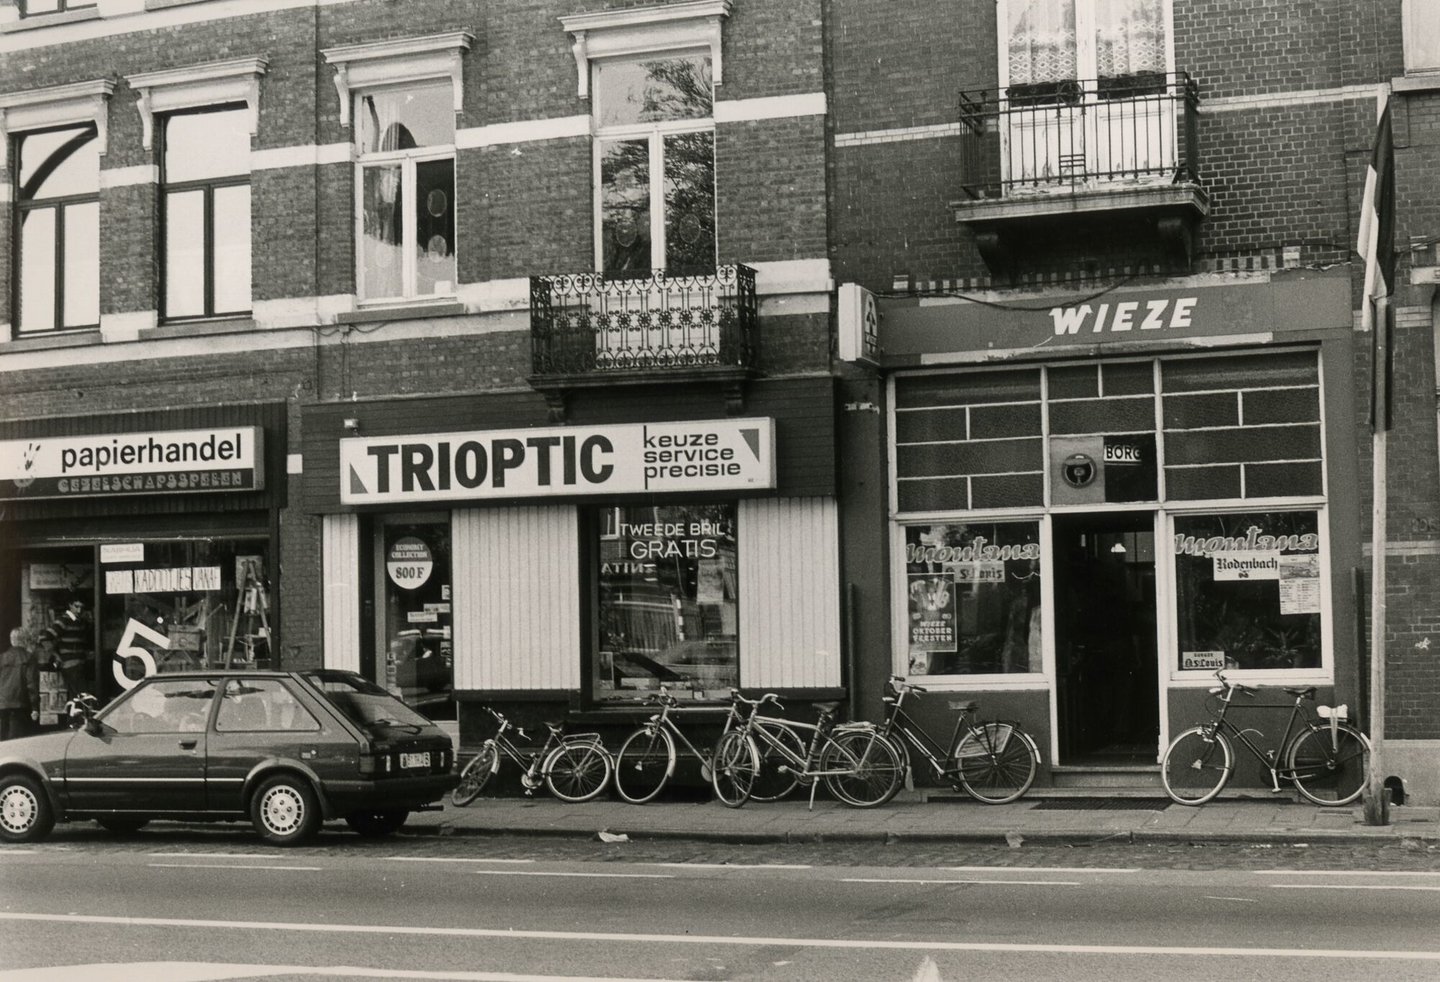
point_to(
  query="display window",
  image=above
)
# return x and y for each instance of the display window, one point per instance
(973, 598)
(1249, 591)
(413, 569)
(668, 608)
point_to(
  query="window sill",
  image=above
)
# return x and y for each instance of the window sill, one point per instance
(42, 21)
(41, 342)
(1414, 82)
(163, 4)
(198, 329)
(400, 312)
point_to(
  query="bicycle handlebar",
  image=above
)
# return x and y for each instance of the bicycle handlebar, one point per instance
(1236, 686)
(898, 682)
(756, 703)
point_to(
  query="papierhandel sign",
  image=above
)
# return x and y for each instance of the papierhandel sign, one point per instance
(169, 462)
(628, 458)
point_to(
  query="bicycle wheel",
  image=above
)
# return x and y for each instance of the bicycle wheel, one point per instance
(872, 770)
(476, 775)
(644, 764)
(1196, 766)
(576, 772)
(733, 768)
(996, 762)
(1329, 771)
(772, 784)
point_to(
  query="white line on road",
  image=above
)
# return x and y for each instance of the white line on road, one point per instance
(1350, 886)
(918, 944)
(1037, 869)
(1004, 883)
(607, 876)
(206, 971)
(303, 869)
(733, 865)
(451, 859)
(1344, 872)
(1235, 900)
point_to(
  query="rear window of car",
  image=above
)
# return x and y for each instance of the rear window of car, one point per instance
(365, 703)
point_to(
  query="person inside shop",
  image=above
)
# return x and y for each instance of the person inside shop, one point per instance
(72, 635)
(19, 688)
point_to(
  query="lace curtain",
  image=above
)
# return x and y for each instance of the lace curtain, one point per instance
(1129, 38)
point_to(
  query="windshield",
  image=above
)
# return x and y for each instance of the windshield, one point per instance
(363, 702)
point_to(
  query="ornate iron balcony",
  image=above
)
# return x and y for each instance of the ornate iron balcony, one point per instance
(609, 326)
(1079, 135)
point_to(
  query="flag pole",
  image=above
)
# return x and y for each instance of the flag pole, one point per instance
(1376, 801)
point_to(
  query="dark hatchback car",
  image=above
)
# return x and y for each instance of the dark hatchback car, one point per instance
(287, 750)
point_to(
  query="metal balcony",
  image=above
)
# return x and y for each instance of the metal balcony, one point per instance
(1035, 156)
(596, 329)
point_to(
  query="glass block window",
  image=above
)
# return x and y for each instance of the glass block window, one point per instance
(1242, 427)
(969, 441)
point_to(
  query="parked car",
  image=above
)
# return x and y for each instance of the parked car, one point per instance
(287, 750)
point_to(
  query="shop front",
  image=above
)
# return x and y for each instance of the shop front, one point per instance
(504, 560)
(141, 543)
(1097, 504)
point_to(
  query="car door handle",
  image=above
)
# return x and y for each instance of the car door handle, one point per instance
(188, 744)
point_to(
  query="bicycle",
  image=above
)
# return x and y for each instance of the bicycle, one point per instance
(647, 758)
(993, 761)
(857, 765)
(574, 767)
(1326, 761)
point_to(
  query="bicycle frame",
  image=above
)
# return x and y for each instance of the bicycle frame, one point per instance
(1268, 758)
(662, 720)
(807, 767)
(920, 738)
(531, 763)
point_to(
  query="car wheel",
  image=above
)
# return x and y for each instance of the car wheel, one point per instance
(285, 810)
(25, 813)
(115, 823)
(376, 823)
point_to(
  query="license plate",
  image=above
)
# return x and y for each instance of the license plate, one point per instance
(414, 760)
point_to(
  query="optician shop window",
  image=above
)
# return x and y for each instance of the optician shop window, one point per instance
(414, 613)
(1249, 591)
(668, 607)
(973, 598)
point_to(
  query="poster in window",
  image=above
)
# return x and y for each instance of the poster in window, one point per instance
(932, 613)
(1300, 584)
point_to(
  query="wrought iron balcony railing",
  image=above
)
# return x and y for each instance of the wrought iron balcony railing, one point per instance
(1079, 135)
(594, 323)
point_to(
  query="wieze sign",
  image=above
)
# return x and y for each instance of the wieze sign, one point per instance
(700, 455)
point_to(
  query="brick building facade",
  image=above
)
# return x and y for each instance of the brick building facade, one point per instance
(1090, 237)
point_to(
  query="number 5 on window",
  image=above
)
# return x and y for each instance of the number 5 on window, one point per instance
(128, 649)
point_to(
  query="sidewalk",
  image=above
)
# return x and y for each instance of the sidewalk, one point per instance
(909, 817)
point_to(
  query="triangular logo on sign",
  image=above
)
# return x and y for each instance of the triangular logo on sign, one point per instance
(357, 486)
(752, 440)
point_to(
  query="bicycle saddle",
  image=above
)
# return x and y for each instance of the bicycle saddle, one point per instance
(555, 728)
(965, 707)
(826, 708)
(1306, 693)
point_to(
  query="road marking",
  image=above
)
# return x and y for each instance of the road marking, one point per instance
(305, 869)
(1349, 886)
(1343, 872)
(447, 859)
(207, 971)
(733, 865)
(606, 876)
(1007, 883)
(1235, 900)
(216, 855)
(1037, 869)
(518, 934)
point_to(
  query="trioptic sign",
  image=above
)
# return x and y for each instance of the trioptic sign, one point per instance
(703, 455)
(170, 462)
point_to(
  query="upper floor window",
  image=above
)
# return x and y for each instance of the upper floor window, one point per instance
(405, 146)
(1120, 43)
(655, 163)
(58, 229)
(34, 8)
(1422, 36)
(206, 213)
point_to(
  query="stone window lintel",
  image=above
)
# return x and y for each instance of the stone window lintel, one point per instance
(606, 33)
(56, 105)
(398, 60)
(237, 80)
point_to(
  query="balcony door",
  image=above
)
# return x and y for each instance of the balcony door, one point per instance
(1087, 97)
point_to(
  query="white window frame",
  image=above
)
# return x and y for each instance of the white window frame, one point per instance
(396, 63)
(1085, 59)
(650, 32)
(1421, 19)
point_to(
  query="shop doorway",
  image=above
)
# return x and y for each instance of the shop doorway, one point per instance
(1105, 645)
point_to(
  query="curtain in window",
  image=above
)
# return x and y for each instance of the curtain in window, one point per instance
(1042, 41)
(1129, 37)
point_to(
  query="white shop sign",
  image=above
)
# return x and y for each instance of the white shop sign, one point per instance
(1247, 564)
(630, 458)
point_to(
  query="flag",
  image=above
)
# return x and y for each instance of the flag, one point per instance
(1376, 244)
